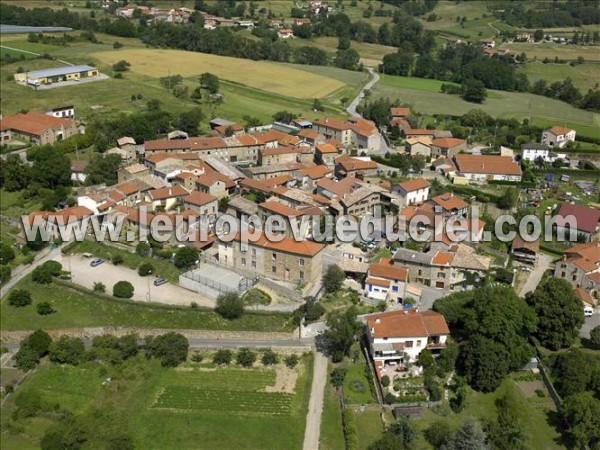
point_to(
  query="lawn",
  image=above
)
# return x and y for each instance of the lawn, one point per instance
(550, 51)
(262, 75)
(533, 415)
(332, 434)
(422, 95)
(14, 205)
(357, 383)
(219, 416)
(76, 307)
(585, 76)
(369, 427)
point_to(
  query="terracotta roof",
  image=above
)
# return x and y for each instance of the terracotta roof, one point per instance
(400, 112)
(235, 127)
(136, 168)
(587, 217)
(450, 202)
(557, 131)
(407, 323)
(349, 163)
(584, 264)
(442, 259)
(247, 140)
(414, 184)
(402, 123)
(166, 144)
(487, 164)
(584, 296)
(594, 277)
(386, 270)
(424, 140)
(168, 192)
(339, 188)
(128, 188)
(519, 242)
(314, 172)
(447, 142)
(326, 148)
(207, 143)
(286, 245)
(332, 123)
(62, 217)
(590, 251)
(277, 136)
(308, 133)
(418, 131)
(286, 211)
(210, 178)
(378, 282)
(362, 126)
(78, 166)
(280, 150)
(159, 157)
(33, 122)
(198, 198)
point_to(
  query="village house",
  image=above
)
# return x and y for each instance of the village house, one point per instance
(583, 219)
(447, 146)
(525, 251)
(399, 112)
(214, 183)
(307, 177)
(449, 205)
(364, 134)
(278, 155)
(57, 222)
(298, 262)
(334, 129)
(417, 132)
(419, 146)
(203, 203)
(398, 337)
(488, 167)
(533, 151)
(166, 198)
(311, 137)
(288, 214)
(348, 166)
(36, 127)
(273, 171)
(79, 171)
(386, 282)
(285, 33)
(326, 154)
(412, 192)
(580, 266)
(558, 136)
(62, 112)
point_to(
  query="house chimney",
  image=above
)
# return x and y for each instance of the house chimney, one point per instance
(378, 320)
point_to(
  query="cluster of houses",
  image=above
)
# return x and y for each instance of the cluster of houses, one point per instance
(170, 15)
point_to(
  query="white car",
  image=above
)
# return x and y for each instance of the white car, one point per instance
(588, 311)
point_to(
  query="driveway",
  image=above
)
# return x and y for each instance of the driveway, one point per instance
(589, 324)
(315, 404)
(536, 274)
(85, 275)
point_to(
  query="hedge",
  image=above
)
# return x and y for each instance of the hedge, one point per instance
(350, 432)
(519, 184)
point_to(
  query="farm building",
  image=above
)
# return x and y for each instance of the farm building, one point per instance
(36, 127)
(49, 76)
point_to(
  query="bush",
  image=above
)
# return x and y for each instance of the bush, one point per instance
(171, 348)
(390, 398)
(54, 268)
(291, 361)
(19, 298)
(123, 289)
(143, 249)
(185, 257)
(99, 287)
(350, 433)
(44, 308)
(26, 358)
(540, 393)
(385, 381)
(5, 273)
(245, 357)
(222, 357)
(117, 259)
(230, 305)
(145, 269)
(595, 336)
(197, 357)
(333, 278)
(337, 377)
(67, 350)
(269, 358)
(41, 276)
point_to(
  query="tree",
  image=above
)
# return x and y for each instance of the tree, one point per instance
(123, 289)
(269, 358)
(39, 341)
(185, 257)
(581, 414)
(143, 249)
(230, 305)
(210, 82)
(317, 105)
(574, 372)
(333, 278)
(508, 433)
(245, 357)
(14, 173)
(559, 313)
(5, 272)
(595, 335)
(19, 298)
(145, 269)
(67, 350)
(337, 377)
(342, 331)
(399, 63)
(103, 169)
(26, 358)
(473, 90)
(121, 66)
(291, 361)
(347, 59)
(438, 433)
(469, 436)
(538, 35)
(284, 117)
(222, 357)
(171, 348)
(400, 435)
(41, 276)
(7, 254)
(44, 308)
(508, 199)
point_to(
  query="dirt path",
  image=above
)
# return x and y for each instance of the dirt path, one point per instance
(315, 405)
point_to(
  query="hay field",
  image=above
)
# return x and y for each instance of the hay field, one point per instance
(271, 77)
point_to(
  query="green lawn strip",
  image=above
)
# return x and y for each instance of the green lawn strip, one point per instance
(357, 383)
(369, 427)
(77, 307)
(332, 432)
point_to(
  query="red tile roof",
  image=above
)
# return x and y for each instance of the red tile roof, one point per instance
(286, 245)
(557, 131)
(587, 217)
(326, 148)
(332, 123)
(400, 112)
(349, 163)
(168, 192)
(414, 184)
(487, 164)
(314, 172)
(198, 198)
(418, 132)
(450, 202)
(447, 142)
(388, 271)
(33, 122)
(407, 323)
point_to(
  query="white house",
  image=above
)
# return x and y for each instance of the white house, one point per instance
(167, 197)
(532, 151)
(413, 192)
(386, 282)
(398, 337)
(558, 136)
(202, 202)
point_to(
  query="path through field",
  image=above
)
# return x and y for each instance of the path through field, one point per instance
(315, 405)
(33, 53)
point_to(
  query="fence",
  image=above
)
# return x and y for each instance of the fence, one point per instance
(549, 385)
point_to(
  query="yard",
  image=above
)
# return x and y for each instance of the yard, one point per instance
(357, 387)
(77, 307)
(158, 407)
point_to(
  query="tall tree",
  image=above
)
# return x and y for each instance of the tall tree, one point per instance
(342, 331)
(581, 414)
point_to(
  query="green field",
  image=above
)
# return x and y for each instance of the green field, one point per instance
(585, 76)
(79, 308)
(424, 96)
(162, 408)
(332, 435)
(550, 51)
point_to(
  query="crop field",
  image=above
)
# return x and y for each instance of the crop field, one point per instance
(423, 96)
(266, 76)
(585, 76)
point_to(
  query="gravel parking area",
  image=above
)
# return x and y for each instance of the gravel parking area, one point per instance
(85, 275)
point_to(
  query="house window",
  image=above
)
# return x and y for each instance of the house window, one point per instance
(408, 344)
(253, 264)
(274, 256)
(243, 261)
(574, 277)
(273, 269)
(419, 343)
(395, 288)
(441, 275)
(253, 252)
(301, 262)
(301, 273)
(564, 274)
(420, 272)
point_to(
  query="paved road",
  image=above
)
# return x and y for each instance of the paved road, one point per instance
(351, 109)
(589, 324)
(535, 276)
(315, 405)
(33, 53)
(23, 271)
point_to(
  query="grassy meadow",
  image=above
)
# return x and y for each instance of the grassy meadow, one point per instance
(550, 51)
(585, 76)
(192, 407)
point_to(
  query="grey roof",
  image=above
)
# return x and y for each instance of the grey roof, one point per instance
(534, 146)
(224, 167)
(57, 71)
(217, 121)
(411, 256)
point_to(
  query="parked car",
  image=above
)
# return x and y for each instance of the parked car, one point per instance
(588, 311)
(96, 262)
(159, 281)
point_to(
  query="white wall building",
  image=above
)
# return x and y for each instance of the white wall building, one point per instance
(558, 136)
(413, 192)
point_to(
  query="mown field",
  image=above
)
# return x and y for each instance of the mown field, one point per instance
(267, 76)
(550, 51)
(208, 407)
(585, 76)
(424, 96)
(77, 307)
